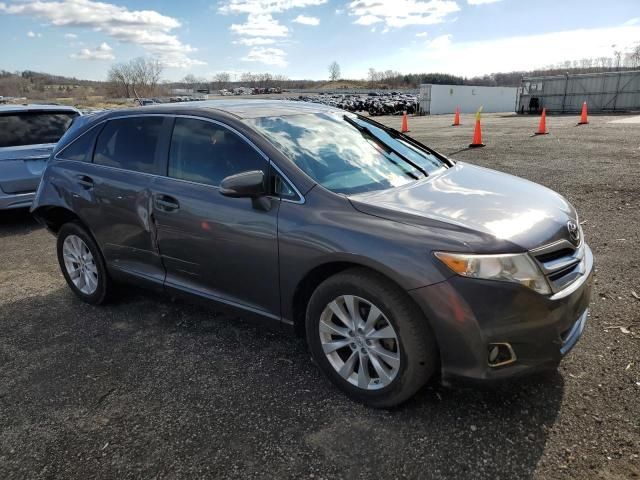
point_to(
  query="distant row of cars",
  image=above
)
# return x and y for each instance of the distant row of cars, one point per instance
(374, 103)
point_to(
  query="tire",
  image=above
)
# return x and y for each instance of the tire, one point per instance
(72, 240)
(412, 354)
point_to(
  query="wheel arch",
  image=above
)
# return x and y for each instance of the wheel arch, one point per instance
(318, 274)
(53, 217)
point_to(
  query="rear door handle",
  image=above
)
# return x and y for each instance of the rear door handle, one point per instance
(84, 181)
(166, 203)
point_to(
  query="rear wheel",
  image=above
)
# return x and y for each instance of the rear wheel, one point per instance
(82, 264)
(369, 338)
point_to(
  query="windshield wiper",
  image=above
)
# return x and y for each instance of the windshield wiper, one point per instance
(387, 148)
(397, 135)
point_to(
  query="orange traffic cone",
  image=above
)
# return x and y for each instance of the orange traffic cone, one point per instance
(477, 133)
(456, 119)
(405, 123)
(583, 116)
(542, 128)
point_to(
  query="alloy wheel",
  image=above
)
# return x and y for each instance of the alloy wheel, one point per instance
(80, 264)
(359, 342)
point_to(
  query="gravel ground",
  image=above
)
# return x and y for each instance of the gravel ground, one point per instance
(150, 388)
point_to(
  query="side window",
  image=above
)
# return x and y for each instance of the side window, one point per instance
(81, 148)
(129, 143)
(282, 189)
(205, 152)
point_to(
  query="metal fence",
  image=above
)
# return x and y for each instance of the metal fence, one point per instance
(603, 92)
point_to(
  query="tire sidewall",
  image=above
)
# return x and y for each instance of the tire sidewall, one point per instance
(99, 295)
(328, 292)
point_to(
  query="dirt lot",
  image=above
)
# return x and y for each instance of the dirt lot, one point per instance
(148, 388)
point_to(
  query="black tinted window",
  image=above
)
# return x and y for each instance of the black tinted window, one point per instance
(32, 128)
(204, 152)
(129, 143)
(282, 189)
(81, 148)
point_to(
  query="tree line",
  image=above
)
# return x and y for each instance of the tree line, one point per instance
(142, 77)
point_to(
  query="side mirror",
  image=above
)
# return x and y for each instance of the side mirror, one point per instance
(244, 185)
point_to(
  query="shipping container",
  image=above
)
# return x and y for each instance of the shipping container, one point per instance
(603, 92)
(440, 99)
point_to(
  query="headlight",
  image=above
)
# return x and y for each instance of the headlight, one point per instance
(516, 267)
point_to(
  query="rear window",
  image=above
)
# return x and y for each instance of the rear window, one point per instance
(129, 143)
(81, 148)
(32, 128)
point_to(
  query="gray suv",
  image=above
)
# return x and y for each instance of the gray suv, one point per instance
(395, 262)
(28, 134)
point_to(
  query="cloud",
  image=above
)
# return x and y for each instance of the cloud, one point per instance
(146, 28)
(262, 25)
(367, 20)
(102, 52)
(471, 58)
(632, 21)
(268, 56)
(482, 2)
(70, 36)
(265, 6)
(439, 43)
(304, 20)
(261, 28)
(33, 34)
(422, 34)
(400, 13)
(251, 42)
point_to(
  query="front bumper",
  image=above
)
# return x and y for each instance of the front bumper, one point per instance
(468, 315)
(16, 200)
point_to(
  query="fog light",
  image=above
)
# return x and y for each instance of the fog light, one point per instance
(500, 354)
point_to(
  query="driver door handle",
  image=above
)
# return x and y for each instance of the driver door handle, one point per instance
(84, 181)
(166, 203)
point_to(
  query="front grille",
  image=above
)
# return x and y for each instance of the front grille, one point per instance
(561, 262)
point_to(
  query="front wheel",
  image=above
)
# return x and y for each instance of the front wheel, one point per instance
(82, 264)
(369, 338)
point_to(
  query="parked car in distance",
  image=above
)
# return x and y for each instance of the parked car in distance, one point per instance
(392, 260)
(28, 134)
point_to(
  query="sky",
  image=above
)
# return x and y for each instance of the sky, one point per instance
(300, 38)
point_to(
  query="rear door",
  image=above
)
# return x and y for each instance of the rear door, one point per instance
(26, 141)
(222, 248)
(113, 191)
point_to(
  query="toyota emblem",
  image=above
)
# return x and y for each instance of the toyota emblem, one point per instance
(574, 232)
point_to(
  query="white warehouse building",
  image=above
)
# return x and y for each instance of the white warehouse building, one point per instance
(439, 99)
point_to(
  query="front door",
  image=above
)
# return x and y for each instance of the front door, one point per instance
(222, 248)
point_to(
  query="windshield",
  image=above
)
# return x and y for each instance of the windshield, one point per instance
(343, 158)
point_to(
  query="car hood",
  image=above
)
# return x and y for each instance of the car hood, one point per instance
(516, 213)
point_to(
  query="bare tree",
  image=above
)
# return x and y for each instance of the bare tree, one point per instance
(634, 57)
(617, 55)
(139, 76)
(334, 71)
(190, 81)
(222, 79)
(120, 78)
